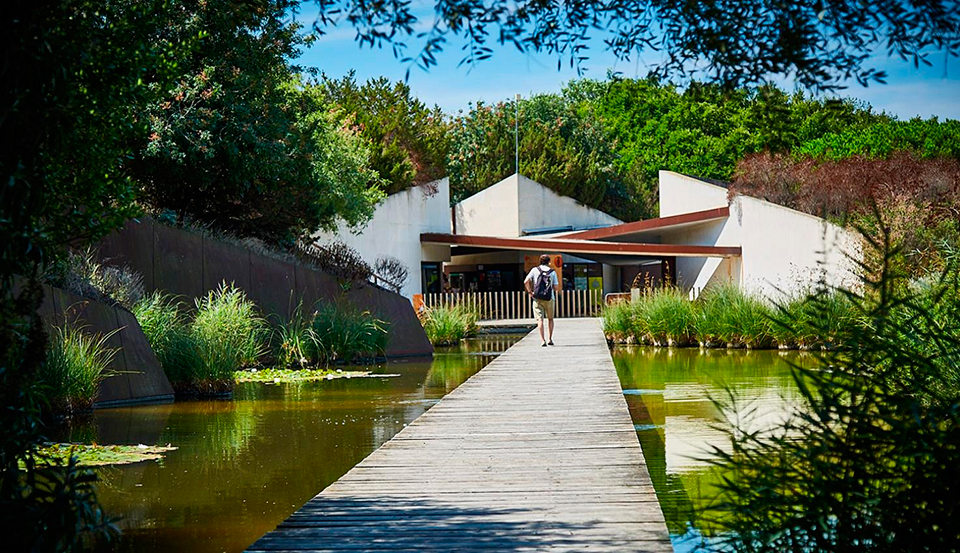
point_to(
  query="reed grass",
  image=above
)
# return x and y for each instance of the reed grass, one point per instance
(200, 354)
(345, 334)
(446, 325)
(75, 364)
(294, 341)
(668, 316)
(726, 316)
(617, 321)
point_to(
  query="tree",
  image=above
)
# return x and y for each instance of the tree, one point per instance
(735, 43)
(562, 146)
(237, 142)
(74, 74)
(408, 141)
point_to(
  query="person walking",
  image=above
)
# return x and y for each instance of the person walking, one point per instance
(542, 285)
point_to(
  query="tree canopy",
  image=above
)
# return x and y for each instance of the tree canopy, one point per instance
(821, 44)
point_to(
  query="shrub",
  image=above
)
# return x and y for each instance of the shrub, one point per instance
(75, 363)
(392, 271)
(345, 334)
(446, 326)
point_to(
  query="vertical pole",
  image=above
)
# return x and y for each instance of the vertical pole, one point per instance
(516, 135)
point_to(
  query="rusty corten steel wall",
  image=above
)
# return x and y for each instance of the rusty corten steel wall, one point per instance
(188, 264)
(137, 376)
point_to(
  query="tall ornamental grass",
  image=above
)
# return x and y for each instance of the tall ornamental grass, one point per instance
(726, 316)
(75, 364)
(668, 316)
(345, 334)
(294, 341)
(446, 325)
(200, 353)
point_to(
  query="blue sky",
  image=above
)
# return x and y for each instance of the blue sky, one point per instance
(909, 91)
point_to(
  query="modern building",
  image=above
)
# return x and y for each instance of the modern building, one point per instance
(704, 236)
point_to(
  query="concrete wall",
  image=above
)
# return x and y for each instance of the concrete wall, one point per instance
(517, 206)
(184, 263)
(395, 230)
(786, 251)
(541, 207)
(783, 251)
(683, 194)
(698, 273)
(494, 211)
(137, 376)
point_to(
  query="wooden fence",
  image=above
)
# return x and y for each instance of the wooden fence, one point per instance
(498, 306)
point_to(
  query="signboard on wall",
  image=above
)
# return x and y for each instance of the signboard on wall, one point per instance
(556, 263)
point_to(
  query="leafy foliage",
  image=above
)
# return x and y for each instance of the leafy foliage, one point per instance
(733, 42)
(75, 73)
(408, 141)
(919, 199)
(605, 142)
(238, 143)
(562, 146)
(867, 462)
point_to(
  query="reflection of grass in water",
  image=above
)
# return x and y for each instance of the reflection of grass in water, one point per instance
(450, 370)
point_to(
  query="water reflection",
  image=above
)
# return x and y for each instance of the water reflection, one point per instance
(245, 464)
(669, 391)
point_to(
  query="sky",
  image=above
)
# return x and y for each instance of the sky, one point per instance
(909, 92)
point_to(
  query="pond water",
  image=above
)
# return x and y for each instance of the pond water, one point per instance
(669, 391)
(244, 464)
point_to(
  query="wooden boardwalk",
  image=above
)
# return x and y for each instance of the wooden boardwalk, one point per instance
(535, 452)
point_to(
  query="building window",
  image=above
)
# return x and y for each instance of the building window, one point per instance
(430, 278)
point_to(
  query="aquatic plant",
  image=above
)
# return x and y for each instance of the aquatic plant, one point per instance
(228, 321)
(667, 315)
(199, 354)
(75, 363)
(294, 341)
(447, 325)
(345, 334)
(617, 319)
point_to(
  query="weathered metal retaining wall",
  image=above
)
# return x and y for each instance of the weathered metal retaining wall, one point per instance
(189, 264)
(137, 376)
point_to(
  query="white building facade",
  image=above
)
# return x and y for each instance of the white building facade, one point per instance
(704, 236)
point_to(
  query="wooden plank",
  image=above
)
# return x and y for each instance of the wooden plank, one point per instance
(536, 451)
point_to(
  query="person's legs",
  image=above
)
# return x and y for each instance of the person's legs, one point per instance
(550, 322)
(538, 313)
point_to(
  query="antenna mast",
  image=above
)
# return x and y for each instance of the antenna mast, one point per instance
(516, 135)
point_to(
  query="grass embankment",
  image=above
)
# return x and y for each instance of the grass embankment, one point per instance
(100, 455)
(726, 316)
(201, 352)
(76, 361)
(446, 326)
